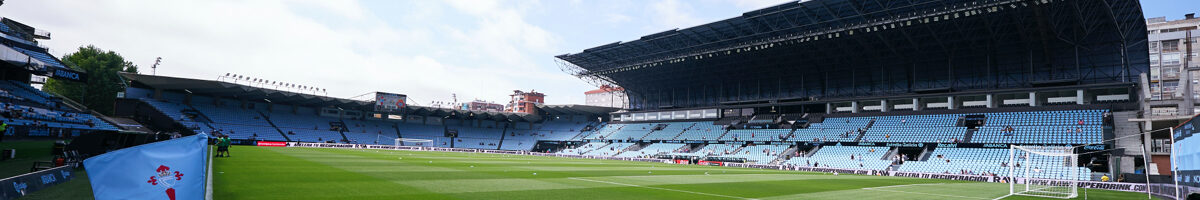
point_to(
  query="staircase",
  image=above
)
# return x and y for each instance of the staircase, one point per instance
(268, 119)
(601, 147)
(723, 135)
(684, 131)
(812, 151)
(860, 134)
(967, 136)
(205, 120)
(785, 155)
(737, 150)
(698, 148)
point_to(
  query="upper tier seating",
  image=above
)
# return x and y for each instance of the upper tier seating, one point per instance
(307, 127)
(756, 134)
(702, 131)
(713, 150)
(864, 157)
(670, 131)
(761, 154)
(652, 149)
(581, 149)
(610, 150)
(832, 130)
(1043, 127)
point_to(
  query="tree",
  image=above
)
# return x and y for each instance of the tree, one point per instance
(103, 83)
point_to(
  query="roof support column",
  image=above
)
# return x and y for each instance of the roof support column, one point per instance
(952, 103)
(1033, 100)
(917, 106)
(1081, 97)
(991, 101)
(828, 108)
(884, 107)
(854, 108)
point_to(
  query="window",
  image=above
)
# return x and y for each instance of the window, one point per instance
(1170, 58)
(1160, 145)
(1170, 45)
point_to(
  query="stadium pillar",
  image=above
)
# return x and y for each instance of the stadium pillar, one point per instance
(951, 103)
(917, 106)
(991, 101)
(884, 107)
(1033, 99)
(1081, 97)
(828, 108)
(854, 108)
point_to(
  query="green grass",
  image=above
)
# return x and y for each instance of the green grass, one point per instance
(77, 188)
(314, 173)
(28, 152)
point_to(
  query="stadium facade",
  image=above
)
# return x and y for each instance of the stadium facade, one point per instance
(870, 66)
(889, 53)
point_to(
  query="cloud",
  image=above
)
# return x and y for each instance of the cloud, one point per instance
(672, 13)
(615, 18)
(344, 46)
(749, 5)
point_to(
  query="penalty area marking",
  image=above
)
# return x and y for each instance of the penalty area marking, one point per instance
(657, 188)
(922, 193)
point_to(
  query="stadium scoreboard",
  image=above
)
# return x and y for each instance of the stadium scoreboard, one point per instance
(388, 102)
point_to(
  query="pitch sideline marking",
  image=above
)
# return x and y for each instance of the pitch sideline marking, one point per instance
(657, 188)
(892, 186)
(943, 195)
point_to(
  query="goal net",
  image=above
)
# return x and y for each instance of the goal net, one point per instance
(415, 142)
(1044, 171)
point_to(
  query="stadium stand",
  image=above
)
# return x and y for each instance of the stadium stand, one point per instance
(652, 149)
(610, 150)
(756, 134)
(702, 131)
(832, 130)
(669, 132)
(759, 153)
(713, 150)
(846, 157)
(984, 161)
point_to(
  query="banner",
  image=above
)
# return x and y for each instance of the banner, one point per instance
(270, 144)
(1186, 150)
(17, 186)
(172, 169)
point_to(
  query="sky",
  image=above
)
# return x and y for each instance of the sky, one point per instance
(429, 50)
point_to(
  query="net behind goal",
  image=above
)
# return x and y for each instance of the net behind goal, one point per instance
(1044, 171)
(415, 142)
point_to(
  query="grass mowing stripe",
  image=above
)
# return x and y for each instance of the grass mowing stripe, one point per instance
(684, 191)
(258, 173)
(922, 193)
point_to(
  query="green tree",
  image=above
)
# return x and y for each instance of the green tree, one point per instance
(103, 83)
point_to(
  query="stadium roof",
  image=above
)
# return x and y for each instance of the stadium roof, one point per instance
(20, 49)
(239, 91)
(826, 49)
(575, 110)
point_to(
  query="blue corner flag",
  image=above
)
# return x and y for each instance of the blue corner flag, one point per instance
(172, 169)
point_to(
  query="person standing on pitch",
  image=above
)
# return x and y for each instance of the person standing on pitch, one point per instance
(223, 146)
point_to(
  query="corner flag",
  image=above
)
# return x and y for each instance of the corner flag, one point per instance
(172, 169)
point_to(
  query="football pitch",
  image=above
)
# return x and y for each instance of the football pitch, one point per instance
(320, 173)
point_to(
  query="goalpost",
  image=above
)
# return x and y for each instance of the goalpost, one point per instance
(414, 142)
(1044, 171)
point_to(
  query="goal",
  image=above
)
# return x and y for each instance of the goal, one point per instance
(414, 142)
(1044, 171)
